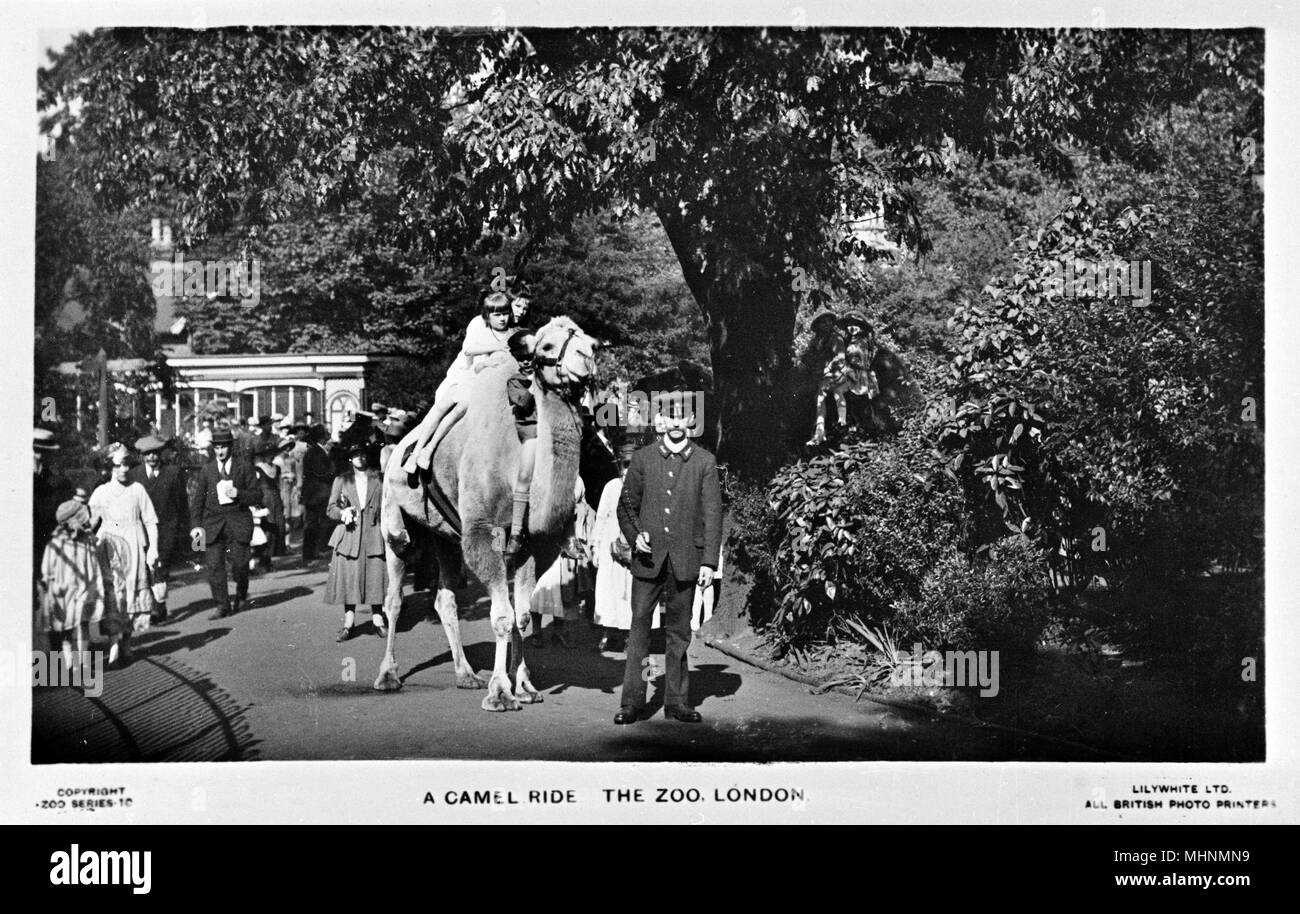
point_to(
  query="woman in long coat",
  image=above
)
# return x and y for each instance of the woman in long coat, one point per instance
(272, 520)
(128, 536)
(357, 571)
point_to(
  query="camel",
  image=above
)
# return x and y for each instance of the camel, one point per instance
(473, 476)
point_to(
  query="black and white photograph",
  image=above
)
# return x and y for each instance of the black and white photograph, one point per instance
(773, 391)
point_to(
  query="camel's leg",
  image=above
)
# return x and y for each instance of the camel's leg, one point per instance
(499, 696)
(486, 563)
(445, 604)
(388, 680)
(524, 583)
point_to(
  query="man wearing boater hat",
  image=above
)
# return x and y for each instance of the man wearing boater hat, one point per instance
(671, 512)
(49, 490)
(227, 490)
(166, 489)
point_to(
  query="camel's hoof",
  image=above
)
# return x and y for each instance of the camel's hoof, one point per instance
(388, 682)
(501, 703)
(470, 681)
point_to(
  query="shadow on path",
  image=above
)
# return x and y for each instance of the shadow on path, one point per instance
(154, 710)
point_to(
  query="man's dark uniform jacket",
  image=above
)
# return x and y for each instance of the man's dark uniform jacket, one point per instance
(167, 492)
(235, 518)
(676, 498)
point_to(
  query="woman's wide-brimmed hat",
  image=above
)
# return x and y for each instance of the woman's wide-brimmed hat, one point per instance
(820, 318)
(855, 319)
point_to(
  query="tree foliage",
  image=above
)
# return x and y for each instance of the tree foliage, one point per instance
(750, 146)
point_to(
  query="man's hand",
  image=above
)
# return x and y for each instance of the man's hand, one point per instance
(643, 542)
(705, 578)
(151, 557)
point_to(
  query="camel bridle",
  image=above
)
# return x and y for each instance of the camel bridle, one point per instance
(557, 361)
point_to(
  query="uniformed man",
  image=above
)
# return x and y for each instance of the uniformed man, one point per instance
(671, 511)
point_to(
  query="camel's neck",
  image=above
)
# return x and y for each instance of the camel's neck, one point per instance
(555, 468)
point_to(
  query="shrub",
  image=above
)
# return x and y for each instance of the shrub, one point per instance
(851, 532)
(997, 601)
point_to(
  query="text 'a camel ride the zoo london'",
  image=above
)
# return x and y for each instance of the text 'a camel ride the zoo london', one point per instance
(616, 795)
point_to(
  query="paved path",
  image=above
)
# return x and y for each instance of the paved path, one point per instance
(271, 683)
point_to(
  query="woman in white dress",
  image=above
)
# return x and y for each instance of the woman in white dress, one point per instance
(610, 554)
(128, 536)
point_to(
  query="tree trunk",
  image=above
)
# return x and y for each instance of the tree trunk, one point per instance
(751, 333)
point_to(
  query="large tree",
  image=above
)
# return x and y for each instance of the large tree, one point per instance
(753, 147)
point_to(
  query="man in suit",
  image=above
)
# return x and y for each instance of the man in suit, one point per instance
(227, 490)
(317, 477)
(166, 488)
(671, 511)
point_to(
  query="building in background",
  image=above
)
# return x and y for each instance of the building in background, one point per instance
(320, 387)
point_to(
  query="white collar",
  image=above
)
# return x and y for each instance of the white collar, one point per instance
(679, 446)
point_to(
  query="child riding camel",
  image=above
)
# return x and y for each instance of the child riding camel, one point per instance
(519, 391)
(849, 347)
(487, 333)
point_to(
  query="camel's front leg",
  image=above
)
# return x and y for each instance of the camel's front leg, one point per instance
(388, 679)
(524, 583)
(499, 696)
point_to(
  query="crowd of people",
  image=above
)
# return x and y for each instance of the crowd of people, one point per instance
(106, 550)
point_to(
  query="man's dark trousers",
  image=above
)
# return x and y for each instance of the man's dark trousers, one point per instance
(315, 530)
(215, 558)
(678, 597)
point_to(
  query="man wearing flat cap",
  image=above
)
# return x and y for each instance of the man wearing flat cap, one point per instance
(223, 521)
(166, 489)
(670, 510)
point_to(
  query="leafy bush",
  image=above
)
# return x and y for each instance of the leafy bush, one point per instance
(1073, 412)
(851, 532)
(995, 602)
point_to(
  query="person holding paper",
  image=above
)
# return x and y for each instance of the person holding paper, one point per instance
(223, 520)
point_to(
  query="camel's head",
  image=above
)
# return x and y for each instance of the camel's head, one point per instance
(565, 358)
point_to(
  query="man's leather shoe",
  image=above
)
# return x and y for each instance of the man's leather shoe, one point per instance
(685, 715)
(223, 612)
(625, 716)
(239, 605)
